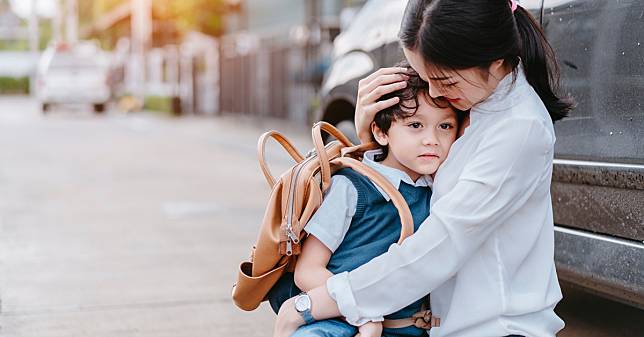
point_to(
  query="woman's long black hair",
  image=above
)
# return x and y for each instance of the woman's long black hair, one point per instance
(460, 34)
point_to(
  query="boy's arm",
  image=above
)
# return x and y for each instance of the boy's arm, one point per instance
(326, 229)
(310, 270)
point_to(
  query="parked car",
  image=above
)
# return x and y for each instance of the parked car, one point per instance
(598, 176)
(76, 74)
(369, 43)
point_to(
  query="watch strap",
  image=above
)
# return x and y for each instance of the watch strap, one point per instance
(307, 316)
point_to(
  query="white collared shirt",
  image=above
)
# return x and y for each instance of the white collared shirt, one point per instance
(486, 251)
(331, 221)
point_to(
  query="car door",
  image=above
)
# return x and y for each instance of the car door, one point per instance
(598, 178)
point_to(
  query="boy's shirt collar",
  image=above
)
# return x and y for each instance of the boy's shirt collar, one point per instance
(393, 175)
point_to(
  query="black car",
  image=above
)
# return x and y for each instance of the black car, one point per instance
(598, 177)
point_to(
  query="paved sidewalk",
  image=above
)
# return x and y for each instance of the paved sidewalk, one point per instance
(127, 225)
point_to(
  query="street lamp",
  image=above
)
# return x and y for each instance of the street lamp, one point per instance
(34, 39)
(71, 21)
(141, 31)
(34, 35)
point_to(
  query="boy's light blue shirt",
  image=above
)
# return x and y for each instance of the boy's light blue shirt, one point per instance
(331, 221)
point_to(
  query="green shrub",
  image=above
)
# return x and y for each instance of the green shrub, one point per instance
(158, 103)
(12, 85)
(163, 104)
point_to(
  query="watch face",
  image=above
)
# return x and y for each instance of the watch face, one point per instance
(302, 303)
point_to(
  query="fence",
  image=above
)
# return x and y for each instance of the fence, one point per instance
(267, 78)
(240, 74)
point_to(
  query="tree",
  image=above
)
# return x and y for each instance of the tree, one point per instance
(206, 16)
(172, 18)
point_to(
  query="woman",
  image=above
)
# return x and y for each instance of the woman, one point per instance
(485, 253)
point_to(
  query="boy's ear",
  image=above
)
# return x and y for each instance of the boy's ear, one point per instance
(378, 135)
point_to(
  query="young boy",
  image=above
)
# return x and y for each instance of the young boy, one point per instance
(356, 221)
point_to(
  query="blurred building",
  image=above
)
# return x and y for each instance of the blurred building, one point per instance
(17, 62)
(14, 63)
(279, 16)
(269, 62)
(275, 54)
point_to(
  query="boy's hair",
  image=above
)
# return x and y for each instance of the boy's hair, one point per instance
(408, 103)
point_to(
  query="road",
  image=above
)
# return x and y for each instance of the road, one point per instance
(133, 225)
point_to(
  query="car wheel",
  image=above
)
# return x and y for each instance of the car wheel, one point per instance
(99, 108)
(45, 108)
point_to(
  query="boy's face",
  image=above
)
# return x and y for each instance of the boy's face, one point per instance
(420, 143)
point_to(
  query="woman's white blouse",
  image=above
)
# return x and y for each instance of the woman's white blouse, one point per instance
(486, 252)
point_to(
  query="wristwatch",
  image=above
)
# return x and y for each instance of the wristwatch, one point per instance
(303, 307)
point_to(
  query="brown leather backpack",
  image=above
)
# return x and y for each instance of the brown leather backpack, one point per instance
(295, 196)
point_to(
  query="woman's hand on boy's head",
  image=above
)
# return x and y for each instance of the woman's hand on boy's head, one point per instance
(370, 90)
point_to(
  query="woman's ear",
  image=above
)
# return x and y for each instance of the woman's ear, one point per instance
(379, 135)
(497, 67)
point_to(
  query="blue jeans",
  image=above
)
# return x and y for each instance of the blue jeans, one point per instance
(326, 328)
(285, 288)
(338, 328)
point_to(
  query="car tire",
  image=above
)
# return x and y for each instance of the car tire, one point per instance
(99, 108)
(45, 108)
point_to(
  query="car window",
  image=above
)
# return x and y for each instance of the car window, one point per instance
(600, 48)
(377, 23)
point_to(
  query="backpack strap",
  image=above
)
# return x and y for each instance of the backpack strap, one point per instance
(406, 218)
(316, 133)
(261, 152)
(357, 151)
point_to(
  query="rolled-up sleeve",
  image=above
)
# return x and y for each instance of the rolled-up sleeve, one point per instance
(331, 221)
(511, 159)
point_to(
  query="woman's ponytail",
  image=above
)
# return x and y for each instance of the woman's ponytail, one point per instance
(540, 65)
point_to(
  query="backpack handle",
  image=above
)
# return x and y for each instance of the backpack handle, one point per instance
(261, 152)
(406, 218)
(325, 168)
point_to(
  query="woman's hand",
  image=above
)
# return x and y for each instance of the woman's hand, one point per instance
(370, 89)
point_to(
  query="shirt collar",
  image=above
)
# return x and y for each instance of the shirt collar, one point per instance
(393, 175)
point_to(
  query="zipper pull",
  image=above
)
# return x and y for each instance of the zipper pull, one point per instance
(292, 236)
(289, 248)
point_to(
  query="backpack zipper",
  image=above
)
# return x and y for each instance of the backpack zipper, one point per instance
(291, 237)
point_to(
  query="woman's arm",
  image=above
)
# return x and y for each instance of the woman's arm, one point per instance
(508, 165)
(310, 271)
